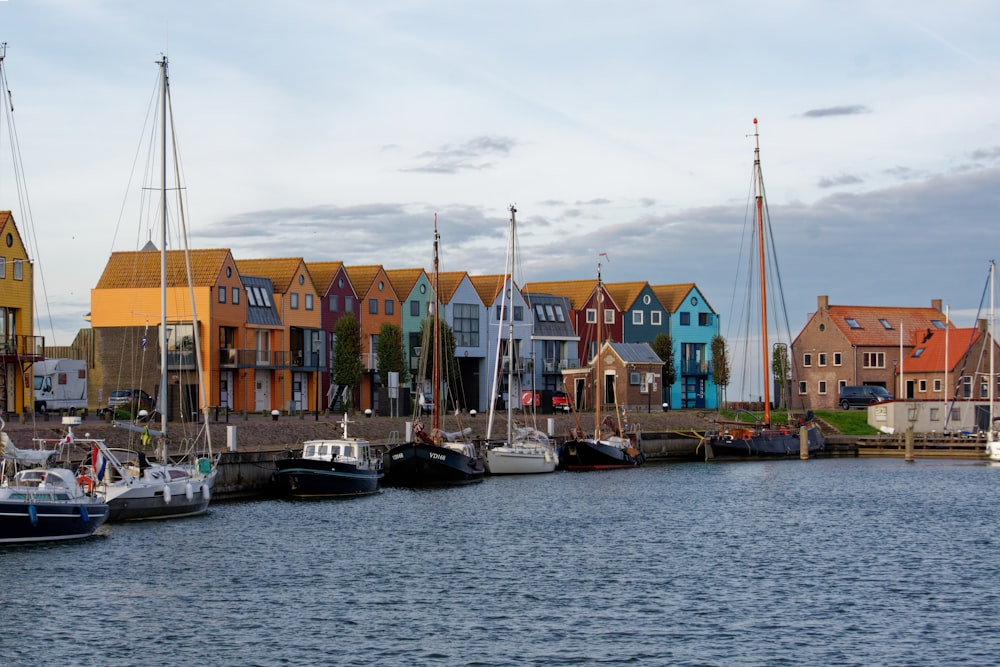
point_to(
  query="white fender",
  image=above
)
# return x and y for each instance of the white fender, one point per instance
(204, 491)
(166, 494)
(188, 491)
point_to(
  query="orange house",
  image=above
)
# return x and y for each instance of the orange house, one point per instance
(126, 316)
(379, 304)
(18, 346)
(293, 352)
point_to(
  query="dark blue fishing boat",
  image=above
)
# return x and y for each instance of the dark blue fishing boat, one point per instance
(334, 468)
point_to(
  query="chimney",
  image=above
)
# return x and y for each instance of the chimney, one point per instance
(983, 326)
(936, 304)
(823, 302)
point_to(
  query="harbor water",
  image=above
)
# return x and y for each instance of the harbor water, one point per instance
(824, 562)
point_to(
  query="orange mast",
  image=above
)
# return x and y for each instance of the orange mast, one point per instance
(759, 192)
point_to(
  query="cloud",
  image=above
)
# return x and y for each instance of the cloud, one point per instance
(473, 155)
(843, 179)
(848, 110)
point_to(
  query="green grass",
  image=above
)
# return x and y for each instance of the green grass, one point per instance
(846, 422)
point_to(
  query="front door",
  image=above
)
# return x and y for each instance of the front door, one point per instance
(226, 389)
(262, 392)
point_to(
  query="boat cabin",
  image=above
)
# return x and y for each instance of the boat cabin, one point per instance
(333, 450)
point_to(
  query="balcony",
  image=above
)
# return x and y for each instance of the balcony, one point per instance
(23, 348)
(696, 368)
(555, 366)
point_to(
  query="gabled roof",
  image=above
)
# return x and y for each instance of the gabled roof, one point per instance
(322, 274)
(362, 277)
(635, 353)
(577, 291)
(625, 294)
(672, 296)
(930, 354)
(488, 287)
(141, 269)
(880, 325)
(281, 270)
(403, 280)
(448, 282)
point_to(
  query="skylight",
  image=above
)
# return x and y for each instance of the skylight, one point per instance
(885, 323)
(938, 324)
(851, 322)
(917, 352)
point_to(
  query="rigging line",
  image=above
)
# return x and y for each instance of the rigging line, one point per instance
(965, 355)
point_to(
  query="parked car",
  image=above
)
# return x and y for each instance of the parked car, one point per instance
(861, 396)
(425, 400)
(560, 400)
(135, 400)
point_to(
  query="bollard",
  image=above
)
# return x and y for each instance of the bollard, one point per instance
(231, 438)
(803, 443)
(551, 425)
(368, 413)
(274, 415)
(908, 456)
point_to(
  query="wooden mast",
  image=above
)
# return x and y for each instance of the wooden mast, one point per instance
(759, 192)
(436, 372)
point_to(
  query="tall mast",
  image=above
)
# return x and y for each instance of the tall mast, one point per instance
(509, 289)
(437, 341)
(759, 193)
(991, 393)
(162, 400)
(598, 380)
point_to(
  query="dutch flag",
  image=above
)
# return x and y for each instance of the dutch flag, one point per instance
(99, 464)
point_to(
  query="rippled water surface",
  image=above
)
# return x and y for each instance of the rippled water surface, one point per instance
(827, 562)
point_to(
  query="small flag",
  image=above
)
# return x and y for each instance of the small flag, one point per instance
(143, 342)
(605, 256)
(99, 463)
(68, 440)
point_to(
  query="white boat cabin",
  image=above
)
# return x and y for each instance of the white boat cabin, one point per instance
(351, 451)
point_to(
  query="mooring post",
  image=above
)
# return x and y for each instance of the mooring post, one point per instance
(803, 443)
(909, 444)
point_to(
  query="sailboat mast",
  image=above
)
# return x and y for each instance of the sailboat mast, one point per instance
(992, 390)
(509, 289)
(436, 372)
(759, 193)
(598, 380)
(162, 400)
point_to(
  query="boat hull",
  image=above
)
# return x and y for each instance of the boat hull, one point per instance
(582, 455)
(769, 443)
(513, 460)
(306, 478)
(417, 464)
(141, 502)
(27, 522)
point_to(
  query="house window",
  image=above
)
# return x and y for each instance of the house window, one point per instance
(935, 414)
(822, 358)
(414, 308)
(251, 297)
(373, 306)
(938, 324)
(334, 303)
(922, 386)
(656, 318)
(549, 313)
(499, 313)
(937, 386)
(822, 387)
(559, 313)
(540, 313)
(236, 296)
(633, 378)
(851, 322)
(807, 359)
(390, 307)
(609, 316)
(704, 319)
(966, 382)
(685, 319)
(222, 293)
(838, 359)
(841, 384)
(802, 387)
(293, 300)
(18, 269)
(3, 267)
(873, 360)
(984, 388)
(309, 301)
(466, 325)
(591, 316)
(637, 317)
(885, 323)
(917, 352)
(348, 304)
(518, 313)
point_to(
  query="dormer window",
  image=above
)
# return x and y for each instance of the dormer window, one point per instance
(917, 352)
(885, 323)
(851, 322)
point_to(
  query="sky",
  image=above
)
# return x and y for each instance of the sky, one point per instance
(334, 131)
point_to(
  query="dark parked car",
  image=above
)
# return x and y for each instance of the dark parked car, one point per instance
(133, 400)
(560, 400)
(861, 396)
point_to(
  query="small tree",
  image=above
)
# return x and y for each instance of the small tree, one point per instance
(782, 371)
(347, 370)
(720, 365)
(663, 346)
(390, 353)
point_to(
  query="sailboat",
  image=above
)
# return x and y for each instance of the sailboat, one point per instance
(134, 486)
(436, 458)
(525, 450)
(757, 436)
(992, 437)
(603, 451)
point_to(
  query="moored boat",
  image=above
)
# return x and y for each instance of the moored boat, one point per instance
(330, 468)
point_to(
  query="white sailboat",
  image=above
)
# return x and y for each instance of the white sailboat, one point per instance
(133, 486)
(992, 437)
(525, 450)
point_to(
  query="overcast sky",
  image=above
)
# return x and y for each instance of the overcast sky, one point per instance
(335, 130)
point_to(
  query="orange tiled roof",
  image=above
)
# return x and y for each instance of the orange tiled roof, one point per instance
(625, 294)
(403, 280)
(577, 291)
(935, 356)
(870, 330)
(279, 270)
(448, 282)
(362, 277)
(671, 296)
(4, 217)
(488, 287)
(322, 274)
(141, 269)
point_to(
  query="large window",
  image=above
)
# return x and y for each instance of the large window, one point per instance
(704, 319)
(655, 318)
(373, 306)
(466, 316)
(636, 317)
(334, 302)
(685, 319)
(293, 301)
(591, 316)
(873, 360)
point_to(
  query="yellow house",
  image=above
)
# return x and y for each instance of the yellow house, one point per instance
(19, 348)
(126, 314)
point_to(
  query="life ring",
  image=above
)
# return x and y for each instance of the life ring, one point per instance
(86, 484)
